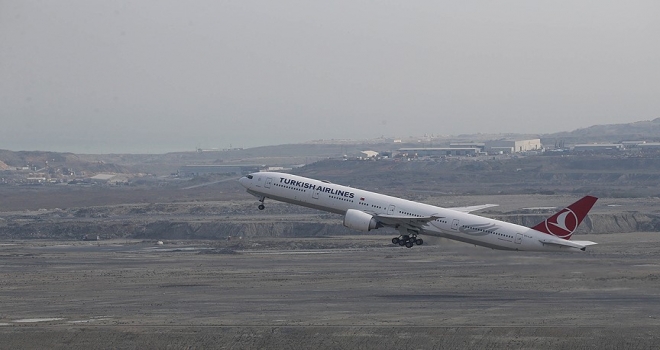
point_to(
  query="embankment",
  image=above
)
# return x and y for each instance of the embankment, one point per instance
(306, 226)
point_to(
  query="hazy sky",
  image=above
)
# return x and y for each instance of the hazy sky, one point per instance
(157, 76)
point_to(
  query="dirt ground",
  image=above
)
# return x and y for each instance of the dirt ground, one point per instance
(335, 293)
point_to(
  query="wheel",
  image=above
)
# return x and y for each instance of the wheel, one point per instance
(409, 244)
(402, 242)
(261, 207)
(395, 240)
(419, 241)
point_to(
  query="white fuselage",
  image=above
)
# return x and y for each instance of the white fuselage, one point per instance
(451, 224)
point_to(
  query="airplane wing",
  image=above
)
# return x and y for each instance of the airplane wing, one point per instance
(416, 223)
(582, 245)
(412, 222)
(473, 208)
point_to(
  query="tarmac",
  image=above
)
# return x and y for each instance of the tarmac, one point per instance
(334, 292)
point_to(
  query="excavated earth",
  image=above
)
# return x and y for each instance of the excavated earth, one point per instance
(240, 218)
(230, 276)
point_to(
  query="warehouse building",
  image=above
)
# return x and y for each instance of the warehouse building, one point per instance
(479, 145)
(513, 146)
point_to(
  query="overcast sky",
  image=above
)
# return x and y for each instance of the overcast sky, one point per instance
(158, 76)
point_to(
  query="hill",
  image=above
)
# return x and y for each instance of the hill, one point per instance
(648, 130)
(55, 160)
(307, 153)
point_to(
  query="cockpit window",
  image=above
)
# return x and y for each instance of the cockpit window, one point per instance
(249, 177)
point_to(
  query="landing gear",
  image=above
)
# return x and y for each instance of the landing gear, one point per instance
(261, 205)
(407, 240)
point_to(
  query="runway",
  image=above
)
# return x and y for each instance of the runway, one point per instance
(330, 293)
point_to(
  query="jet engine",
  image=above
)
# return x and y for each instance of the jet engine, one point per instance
(359, 220)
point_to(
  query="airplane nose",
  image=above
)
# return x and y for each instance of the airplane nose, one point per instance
(243, 181)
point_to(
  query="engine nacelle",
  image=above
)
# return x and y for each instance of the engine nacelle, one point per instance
(359, 220)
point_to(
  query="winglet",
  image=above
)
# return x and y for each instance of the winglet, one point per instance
(566, 221)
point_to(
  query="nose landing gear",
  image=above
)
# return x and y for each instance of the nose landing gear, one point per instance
(261, 205)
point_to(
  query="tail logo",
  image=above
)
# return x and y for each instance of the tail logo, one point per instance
(563, 225)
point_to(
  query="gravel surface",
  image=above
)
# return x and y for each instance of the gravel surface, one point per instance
(347, 292)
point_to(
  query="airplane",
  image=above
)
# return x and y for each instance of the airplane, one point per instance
(366, 211)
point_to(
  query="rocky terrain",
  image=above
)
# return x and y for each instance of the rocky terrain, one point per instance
(240, 218)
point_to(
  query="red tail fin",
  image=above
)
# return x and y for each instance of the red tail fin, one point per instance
(565, 222)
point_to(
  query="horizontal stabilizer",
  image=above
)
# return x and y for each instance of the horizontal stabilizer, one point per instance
(582, 245)
(585, 243)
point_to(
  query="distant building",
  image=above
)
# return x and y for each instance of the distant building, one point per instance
(480, 145)
(632, 144)
(443, 151)
(649, 146)
(35, 180)
(370, 154)
(102, 177)
(598, 147)
(110, 179)
(513, 146)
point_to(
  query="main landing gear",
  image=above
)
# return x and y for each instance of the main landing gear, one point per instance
(407, 240)
(261, 205)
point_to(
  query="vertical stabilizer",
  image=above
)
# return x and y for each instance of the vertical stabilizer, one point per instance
(566, 221)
